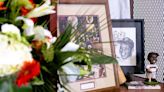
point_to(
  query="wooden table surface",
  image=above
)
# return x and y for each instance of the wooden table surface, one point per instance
(137, 78)
(124, 89)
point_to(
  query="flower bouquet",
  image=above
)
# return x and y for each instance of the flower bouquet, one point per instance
(31, 59)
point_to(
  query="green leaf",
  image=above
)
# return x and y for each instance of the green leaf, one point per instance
(3, 20)
(24, 41)
(26, 88)
(26, 3)
(45, 69)
(30, 38)
(62, 56)
(48, 53)
(37, 81)
(102, 59)
(2, 0)
(83, 72)
(64, 38)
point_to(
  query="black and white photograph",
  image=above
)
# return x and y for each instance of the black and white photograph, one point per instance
(125, 45)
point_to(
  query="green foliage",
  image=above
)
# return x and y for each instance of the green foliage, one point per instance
(56, 59)
(151, 83)
(2, 0)
(29, 38)
(37, 81)
(26, 3)
(70, 56)
(64, 38)
(16, 38)
(3, 20)
(48, 53)
(23, 40)
(13, 10)
(102, 59)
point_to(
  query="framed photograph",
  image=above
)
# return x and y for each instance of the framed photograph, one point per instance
(128, 37)
(93, 17)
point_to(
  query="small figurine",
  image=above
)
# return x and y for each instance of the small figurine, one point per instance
(151, 68)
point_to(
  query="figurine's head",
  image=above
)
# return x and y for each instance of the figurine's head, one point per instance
(152, 57)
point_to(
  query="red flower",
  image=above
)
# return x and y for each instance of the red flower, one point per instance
(28, 71)
(1, 6)
(24, 11)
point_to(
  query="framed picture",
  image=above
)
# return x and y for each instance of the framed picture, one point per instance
(93, 17)
(128, 37)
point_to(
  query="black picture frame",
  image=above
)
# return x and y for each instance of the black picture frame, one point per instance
(139, 25)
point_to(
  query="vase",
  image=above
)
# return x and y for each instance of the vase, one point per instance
(50, 83)
(8, 84)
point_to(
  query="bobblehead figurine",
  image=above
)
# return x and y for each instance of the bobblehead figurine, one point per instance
(151, 69)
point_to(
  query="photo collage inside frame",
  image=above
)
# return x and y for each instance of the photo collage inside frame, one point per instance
(88, 36)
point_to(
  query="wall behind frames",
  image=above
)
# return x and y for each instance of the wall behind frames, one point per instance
(152, 11)
(119, 9)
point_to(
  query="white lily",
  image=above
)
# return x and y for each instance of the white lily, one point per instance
(41, 33)
(10, 28)
(70, 47)
(72, 70)
(28, 25)
(44, 34)
(44, 9)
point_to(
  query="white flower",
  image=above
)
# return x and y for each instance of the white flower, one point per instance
(44, 35)
(70, 47)
(50, 41)
(53, 39)
(11, 29)
(44, 9)
(28, 25)
(41, 33)
(13, 54)
(72, 70)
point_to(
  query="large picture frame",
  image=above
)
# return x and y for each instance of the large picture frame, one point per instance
(99, 11)
(131, 33)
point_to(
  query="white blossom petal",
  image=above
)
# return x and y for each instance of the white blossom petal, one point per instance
(53, 39)
(28, 26)
(73, 70)
(44, 9)
(10, 28)
(39, 33)
(70, 47)
(12, 55)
